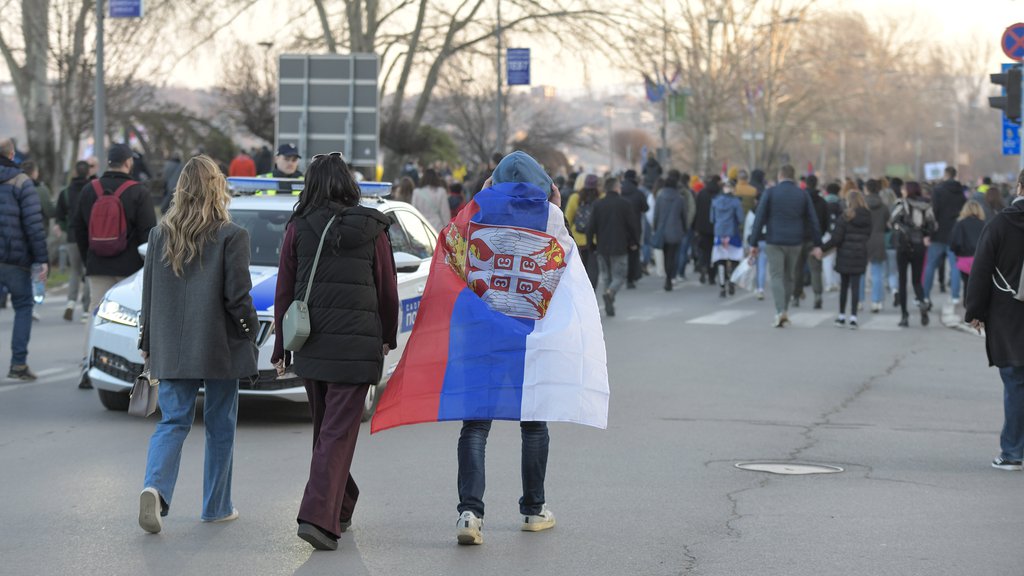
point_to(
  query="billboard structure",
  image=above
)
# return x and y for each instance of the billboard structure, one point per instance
(329, 103)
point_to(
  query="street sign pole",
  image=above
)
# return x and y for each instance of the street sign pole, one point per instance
(99, 120)
(1012, 44)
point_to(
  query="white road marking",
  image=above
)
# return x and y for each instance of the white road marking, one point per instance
(52, 375)
(722, 317)
(809, 319)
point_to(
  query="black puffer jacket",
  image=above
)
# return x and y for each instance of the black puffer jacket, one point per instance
(346, 339)
(850, 238)
(22, 236)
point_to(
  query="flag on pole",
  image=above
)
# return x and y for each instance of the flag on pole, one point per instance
(655, 92)
(508, 328)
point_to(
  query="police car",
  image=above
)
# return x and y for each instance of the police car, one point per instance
(114, 359)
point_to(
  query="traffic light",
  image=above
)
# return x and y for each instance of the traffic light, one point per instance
(1010, 103)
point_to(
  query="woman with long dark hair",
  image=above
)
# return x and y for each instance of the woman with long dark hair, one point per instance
(198, 263)
(577, 214)
(850, 238)
(913, 223)
(431, 199)
(353, 314)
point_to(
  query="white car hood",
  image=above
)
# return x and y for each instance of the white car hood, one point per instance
(128, 292)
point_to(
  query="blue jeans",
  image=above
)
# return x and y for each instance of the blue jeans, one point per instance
(1011, 441)
(684, 254)
(762, 265)
(647, 249)
(892, 270)
(473, 444)
(178, 411)
(18, 281)
(937, 251)
(877, 281)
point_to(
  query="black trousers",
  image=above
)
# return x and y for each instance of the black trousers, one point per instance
(704, 244)
(849, 282)
(671, 253)
(633, 271)
(912, 258)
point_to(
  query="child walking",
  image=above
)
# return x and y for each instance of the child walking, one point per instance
(850, 240)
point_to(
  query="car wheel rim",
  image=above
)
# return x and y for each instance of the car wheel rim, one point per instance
(371, 395)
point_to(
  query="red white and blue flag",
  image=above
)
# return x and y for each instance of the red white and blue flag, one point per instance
(508, 328)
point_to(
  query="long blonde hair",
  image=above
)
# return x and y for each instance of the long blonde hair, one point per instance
(200, 208)
(854, 200)
(972, 208)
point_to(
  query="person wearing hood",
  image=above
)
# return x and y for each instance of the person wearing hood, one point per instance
(876, 243)
(913, 223)
(994, 302)
(638, 201)
(727, 249)
(353, 308)
(22, 248)
(651, 171)
(850, 240)
(947, 201)
(66, 202)
(577, 214)
(757, 181)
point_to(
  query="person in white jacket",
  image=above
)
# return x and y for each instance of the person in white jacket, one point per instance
(431, 199)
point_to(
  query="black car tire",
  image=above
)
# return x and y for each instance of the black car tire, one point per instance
(116, 401)
(370, 403)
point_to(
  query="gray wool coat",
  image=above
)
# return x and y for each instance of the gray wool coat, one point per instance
(203, 324)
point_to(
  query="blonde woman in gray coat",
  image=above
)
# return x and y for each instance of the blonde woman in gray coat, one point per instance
(198, 329)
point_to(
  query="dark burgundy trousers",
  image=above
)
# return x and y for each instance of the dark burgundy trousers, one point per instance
(331, 493)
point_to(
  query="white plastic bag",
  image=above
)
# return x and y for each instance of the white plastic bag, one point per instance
(745, 275)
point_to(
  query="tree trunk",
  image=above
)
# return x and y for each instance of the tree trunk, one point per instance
(37, 100)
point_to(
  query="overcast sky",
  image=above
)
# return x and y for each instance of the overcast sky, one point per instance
(963, 20)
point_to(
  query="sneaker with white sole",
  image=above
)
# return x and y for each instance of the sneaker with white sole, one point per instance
(469, 529)
(1005, 464)
(228, 518)
(538, 522)
(149, 511)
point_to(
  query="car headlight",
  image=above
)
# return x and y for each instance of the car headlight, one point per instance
(110, 311)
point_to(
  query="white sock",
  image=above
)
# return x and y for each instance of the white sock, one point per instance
(842, 317)
(853, 318)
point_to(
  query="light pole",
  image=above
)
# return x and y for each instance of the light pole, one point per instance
(498, 116)
(99, 121)
(706, 153)
(609, 112)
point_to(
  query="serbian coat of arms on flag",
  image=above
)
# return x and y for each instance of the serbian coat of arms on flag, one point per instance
(508, 327)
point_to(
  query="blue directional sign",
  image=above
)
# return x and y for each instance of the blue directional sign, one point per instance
(1013, 42)
(1011, 130)
(518, 63)
(125, 8)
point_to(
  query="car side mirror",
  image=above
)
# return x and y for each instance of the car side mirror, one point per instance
(406, 262)
(142, 250)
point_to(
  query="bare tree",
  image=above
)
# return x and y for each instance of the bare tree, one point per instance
(249, 87)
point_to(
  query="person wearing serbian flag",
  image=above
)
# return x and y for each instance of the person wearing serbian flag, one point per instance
(508, 329)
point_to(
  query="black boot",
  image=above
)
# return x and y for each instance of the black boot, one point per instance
(904, 320)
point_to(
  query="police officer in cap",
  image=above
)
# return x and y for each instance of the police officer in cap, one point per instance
(286, 165)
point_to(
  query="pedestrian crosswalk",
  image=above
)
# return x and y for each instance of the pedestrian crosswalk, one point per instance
(814, 319)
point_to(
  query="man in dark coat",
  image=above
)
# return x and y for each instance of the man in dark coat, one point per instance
(703, 227)
(821, 211)
(670, 223)
(994, 303)
(947, 201)
(102, 272)
(614, 233)
(638, 201)
(67, 202)
(22, 247)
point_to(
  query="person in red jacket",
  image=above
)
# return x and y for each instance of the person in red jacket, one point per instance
(242, 165)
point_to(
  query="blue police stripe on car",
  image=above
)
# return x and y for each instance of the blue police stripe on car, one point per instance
(409, 309)
(263, 294)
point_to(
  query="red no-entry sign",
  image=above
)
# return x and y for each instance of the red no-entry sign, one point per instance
(1013, 42)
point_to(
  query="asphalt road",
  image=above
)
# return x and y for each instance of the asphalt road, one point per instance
(698, 385)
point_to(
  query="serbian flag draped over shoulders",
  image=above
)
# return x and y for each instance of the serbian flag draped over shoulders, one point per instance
(508, 328)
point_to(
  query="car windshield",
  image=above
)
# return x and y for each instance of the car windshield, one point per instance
(266, 233)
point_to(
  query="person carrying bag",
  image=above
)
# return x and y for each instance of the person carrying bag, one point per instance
(197, 266)
(352, 314)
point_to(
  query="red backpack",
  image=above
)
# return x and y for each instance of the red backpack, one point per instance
(108, 227)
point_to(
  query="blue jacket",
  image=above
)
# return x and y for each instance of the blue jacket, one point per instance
(22, 237)
(787, 211)
(727, 216)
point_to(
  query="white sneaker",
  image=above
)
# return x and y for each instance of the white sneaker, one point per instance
(149, 511)
(760, 294)
(538, 522)
(228, 518)
(468, 530)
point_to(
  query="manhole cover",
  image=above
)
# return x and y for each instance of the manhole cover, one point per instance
(789, 468)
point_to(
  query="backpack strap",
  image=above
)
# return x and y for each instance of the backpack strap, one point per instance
(120, 189)
(97, 187)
